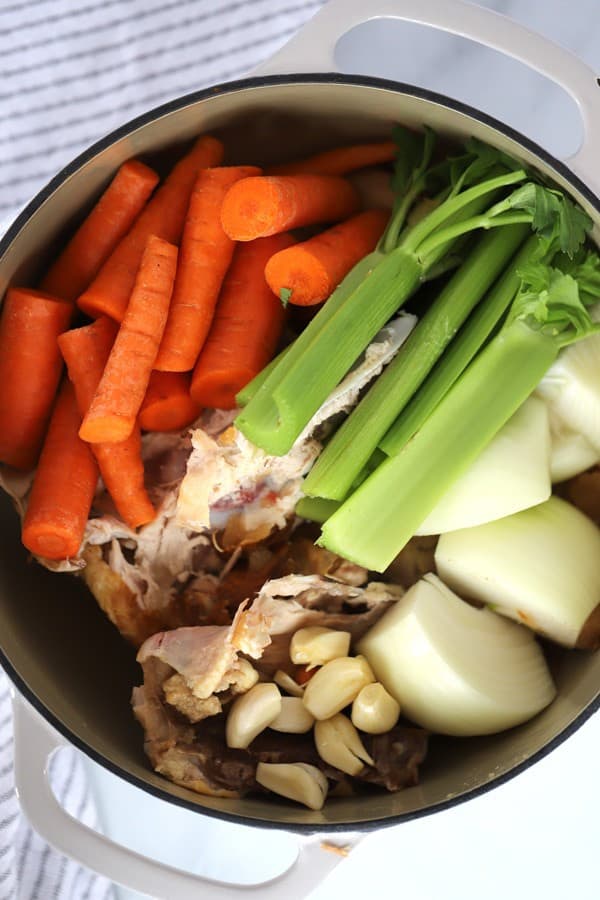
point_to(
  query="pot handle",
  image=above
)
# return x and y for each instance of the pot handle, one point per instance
(313, 50)
(35, 742)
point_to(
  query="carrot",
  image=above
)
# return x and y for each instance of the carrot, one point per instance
(98, 235)
(263, 205)
(204, 258)
(313, 269)
(340, 160)
(164, 215)
(114, 409)
(85, 351)
(246, 328)
(63, 487)
(30, 366)
(167, 405)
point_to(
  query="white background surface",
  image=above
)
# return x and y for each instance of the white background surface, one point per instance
(536, 836)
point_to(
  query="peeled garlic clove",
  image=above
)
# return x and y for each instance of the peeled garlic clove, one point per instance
(252, 713)
(316, 646)
(287, 683)
(338, 743)
(294, 717)
(335, 685)
(297, 781)
(374, 710)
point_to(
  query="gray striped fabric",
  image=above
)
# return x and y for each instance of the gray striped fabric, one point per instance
(69, 73)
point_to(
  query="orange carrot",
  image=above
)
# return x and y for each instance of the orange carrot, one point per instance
(30, 366)
(204, 258)
(167, 405)
(264, 205)
(98, 235)
(246, 328)
(163, 216)
(85, 351)
(340, 160)
(313, 269)
(113, 412)
(63, 487)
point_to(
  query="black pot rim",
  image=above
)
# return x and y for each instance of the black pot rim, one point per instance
(173, 105)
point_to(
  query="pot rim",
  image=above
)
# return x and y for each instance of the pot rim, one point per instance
(93, 150)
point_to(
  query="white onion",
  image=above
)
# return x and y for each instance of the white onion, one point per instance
(571, 454)
(512, 473)
(540, 566)
(456, 669)
(571, 387)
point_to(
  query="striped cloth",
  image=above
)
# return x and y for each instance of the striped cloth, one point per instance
(70, 73)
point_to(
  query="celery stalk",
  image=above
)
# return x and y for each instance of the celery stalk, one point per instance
(351, 447)
(377, 521)
(245, 395)
(316, 509)
(459, 354)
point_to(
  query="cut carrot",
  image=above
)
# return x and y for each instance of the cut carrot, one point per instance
(63, 487)
(168, 405)
(340, 160)
(263, 205)
(30, 366)
(204, 258)
(246, 328)
(98, 235)
(313, 269)
(163, 216)
(113, 412)
(86, 351)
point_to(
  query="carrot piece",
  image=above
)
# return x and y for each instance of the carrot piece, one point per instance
(263, 205)
(167, 405)
(164, 215)
(98, 235)
(340, 160)
(63, 487)
(113, 411)
(30, 366)
(204, 258)
(246, 328)
(85, 351)
(313, 269)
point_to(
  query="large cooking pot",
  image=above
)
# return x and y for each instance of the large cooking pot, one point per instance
(63, 655)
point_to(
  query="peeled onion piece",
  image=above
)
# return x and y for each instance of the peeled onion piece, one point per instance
(570, 454)
(540, 567)
(456, 669)
(571, 387)
(512, 473)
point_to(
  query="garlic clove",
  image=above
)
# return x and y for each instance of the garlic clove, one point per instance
(338, 743)
(335, 685)
(374, 710)
(294, 717)
(317, 645)
(287, 683)
(297, 781)
(251, 713)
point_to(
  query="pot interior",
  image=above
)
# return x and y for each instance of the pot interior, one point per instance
(67, 656)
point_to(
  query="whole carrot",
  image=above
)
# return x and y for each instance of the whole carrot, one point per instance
(163, 216)
(340, 160)
(168, 405)
(98, 235)
(30, 366)
(85, 351)
(246, 328)
(204, 258)
(63, 488)
(268, 204)
(113, 412)
(313, 269)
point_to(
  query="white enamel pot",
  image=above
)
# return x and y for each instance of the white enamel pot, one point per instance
(65, 659)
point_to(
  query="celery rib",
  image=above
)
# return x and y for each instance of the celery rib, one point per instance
(377, 521)
(459, 354)
(335, 472)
